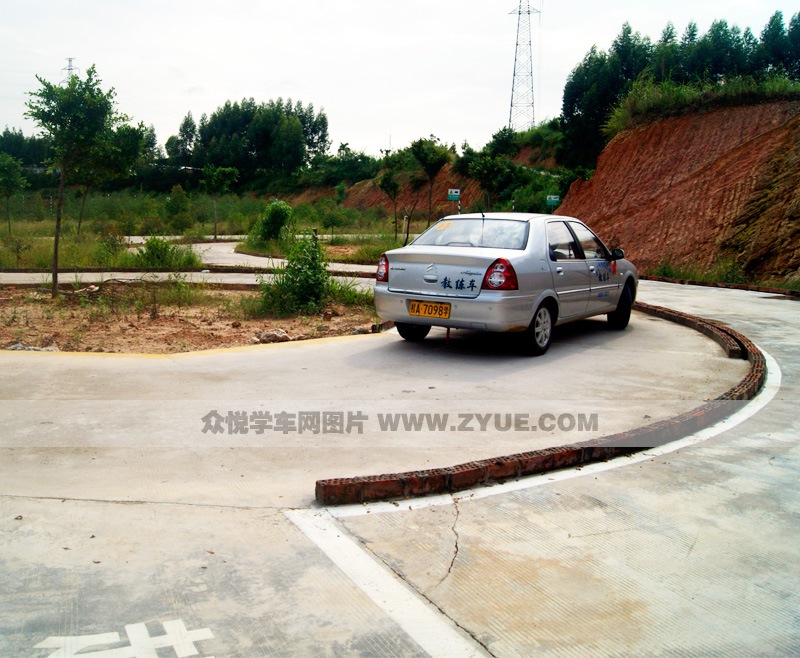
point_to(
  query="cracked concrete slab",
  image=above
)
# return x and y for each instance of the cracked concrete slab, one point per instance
(687, 552)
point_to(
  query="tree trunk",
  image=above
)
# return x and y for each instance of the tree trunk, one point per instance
(430, 199)
(214, 203)
(59, 203)
(83, 205)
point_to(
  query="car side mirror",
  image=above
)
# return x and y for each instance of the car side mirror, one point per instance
(617, 254)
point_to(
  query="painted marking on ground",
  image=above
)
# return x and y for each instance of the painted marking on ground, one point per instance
(434, 632)
(142, 644)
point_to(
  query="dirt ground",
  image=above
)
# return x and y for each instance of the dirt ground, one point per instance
(112, 322)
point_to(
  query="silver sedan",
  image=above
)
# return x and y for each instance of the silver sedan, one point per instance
(504, 272)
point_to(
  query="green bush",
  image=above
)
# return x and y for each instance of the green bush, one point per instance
(649, 100)
(269, 225)
(300, 286)
(110, 245)
(158, 253)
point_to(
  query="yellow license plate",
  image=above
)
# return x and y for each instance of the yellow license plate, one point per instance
(429, 309)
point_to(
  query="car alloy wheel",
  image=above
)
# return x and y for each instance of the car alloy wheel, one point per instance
(540, 332)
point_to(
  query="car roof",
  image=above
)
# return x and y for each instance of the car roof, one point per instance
(517, 216)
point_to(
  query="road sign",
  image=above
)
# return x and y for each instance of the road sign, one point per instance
(453, 194)
(553, 200)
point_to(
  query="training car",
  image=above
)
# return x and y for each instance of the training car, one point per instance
(504, 272)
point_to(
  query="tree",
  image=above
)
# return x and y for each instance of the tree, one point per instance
(591, 91)
(77, 117)
(794, 46)
(287, 152)
(390, 187)
(113, 157)
(12, 181)
(277, 138)
(632, 54)
(216, 182)
(432, 156)
(179, 149)
(178, 206)
(493, 173)
(775, 45)
(504, 142)
(666, 55)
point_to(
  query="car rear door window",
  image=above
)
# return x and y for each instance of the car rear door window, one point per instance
(561, 242)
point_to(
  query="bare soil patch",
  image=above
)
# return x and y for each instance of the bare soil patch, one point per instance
(115, 322)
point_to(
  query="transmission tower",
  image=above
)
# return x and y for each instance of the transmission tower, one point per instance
(70, 69)
(521, 116)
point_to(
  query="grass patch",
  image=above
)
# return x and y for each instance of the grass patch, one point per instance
(723, 271)
(649, 100)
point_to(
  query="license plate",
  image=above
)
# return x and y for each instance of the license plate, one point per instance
(429, 309)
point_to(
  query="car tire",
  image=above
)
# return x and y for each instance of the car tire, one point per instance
(412, 332)
(539, 333)
(619, 318)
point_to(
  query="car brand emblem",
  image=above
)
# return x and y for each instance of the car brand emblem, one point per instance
(431, 274)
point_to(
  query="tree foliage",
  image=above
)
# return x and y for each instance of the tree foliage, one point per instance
(257, 139)
(216, 182)
(80, 119)
(723, 53)
(30, 151)
(12, 180)
(269, 226)
(432, 156)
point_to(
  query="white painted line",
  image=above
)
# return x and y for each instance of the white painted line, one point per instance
(768, 392)
(428, 627)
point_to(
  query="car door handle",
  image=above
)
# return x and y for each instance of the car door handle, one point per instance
(591, 268)
(560, 271)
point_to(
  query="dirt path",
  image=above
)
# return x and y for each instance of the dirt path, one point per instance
(116, 322)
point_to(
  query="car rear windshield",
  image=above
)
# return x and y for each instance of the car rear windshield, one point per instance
(480, 232)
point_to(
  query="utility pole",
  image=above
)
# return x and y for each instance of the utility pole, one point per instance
(521, 115)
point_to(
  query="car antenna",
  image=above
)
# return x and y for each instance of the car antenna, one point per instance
(482, 215)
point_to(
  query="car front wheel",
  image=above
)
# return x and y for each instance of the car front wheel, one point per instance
(412, 332)
(540, 332)
(619, 318)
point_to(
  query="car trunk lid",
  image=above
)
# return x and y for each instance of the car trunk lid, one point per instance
(444, 272)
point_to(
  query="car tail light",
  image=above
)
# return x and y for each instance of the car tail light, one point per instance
(383, 269)
(500, 276)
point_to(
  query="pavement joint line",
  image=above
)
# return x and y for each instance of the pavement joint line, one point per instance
(772, 385)
(422, 621)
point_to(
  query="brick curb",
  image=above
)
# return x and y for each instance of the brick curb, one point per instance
(370, 488)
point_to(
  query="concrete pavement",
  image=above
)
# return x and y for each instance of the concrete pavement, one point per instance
(214, 254)
(168, 537)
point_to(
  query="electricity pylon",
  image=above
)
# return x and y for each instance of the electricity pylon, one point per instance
(521, 116)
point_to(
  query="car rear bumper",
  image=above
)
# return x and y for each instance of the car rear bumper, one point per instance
(489, 311)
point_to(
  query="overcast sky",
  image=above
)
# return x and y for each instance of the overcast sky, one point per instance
(385, 72)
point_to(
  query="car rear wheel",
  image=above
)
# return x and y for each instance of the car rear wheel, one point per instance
(619, 318)
(540, 332)
(412, 332)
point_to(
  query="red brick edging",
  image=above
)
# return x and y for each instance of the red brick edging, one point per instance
(370, 488)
